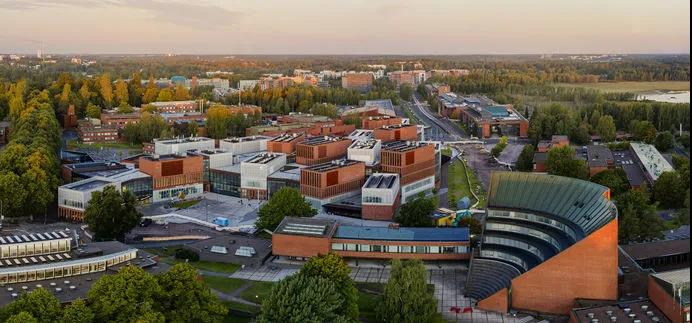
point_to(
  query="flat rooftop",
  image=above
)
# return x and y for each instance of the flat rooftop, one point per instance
(643, 310)
(87, 184)
(396, 126)
(163, 104)
(402, 234)
(287, 137)
(332, 165)
(654, 163)
(246, 139)
(263, 158)
(384, 103)
(321, 140)
(402, 146)
(183, 140)
(360, 134)
(381, 180)
(647, 250)
(306, 227)
(102, 169)
(164, 157)
(207, 152)
(289, 172)
(364, 144)
(598, 155)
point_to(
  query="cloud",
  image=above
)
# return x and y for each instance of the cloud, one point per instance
(198, 15)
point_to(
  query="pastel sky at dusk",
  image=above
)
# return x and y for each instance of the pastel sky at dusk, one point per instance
(345, 26)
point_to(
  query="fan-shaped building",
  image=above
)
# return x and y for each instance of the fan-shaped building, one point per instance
(546, 241)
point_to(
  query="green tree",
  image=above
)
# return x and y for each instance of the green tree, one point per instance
(501, 145)
(324, 109)
(562, 161)
(77, 312)
(643, 130)
(664, 141)
(135, 90)
(111, 214)
(524, 162)
(580, 134)
(333, 268)
(405, 92)
(93, 111)
(185, 297)
(606, 128)
(615, 179)
(125, 108)
(637, 217)
(13, 192)
(406, 297)
(130, 293)
(22, 317)
(284, 202)
(165, 95)
(39, 303)
(416, 213)
(302, 298)
(669, 190)
(472, 223)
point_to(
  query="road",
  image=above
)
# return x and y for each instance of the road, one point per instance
(447, 130)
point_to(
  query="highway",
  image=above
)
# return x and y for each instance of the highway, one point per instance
(449, 131)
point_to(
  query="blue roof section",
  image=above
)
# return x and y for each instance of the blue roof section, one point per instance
(498, 111)
(402, 234)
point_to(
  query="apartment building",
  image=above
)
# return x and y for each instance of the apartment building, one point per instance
(177, 106)
(415, 162)
(89, 133)
(120, 120)
(357, 81)
(321, 149)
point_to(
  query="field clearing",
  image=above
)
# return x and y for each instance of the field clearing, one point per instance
(634, 87)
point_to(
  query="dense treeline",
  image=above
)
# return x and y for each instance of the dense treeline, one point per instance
(300, 98)
(29, 167)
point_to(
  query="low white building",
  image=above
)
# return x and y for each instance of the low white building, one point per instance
(254, 172)
(411, 190)
(244, 145)
(367, 151)
(182, 145)
(214, 158)
(650, 160)
(247, 84)
(73, 198)
(380, 189)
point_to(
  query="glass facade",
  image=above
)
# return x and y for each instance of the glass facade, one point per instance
(274, 185)
(400, 248)
(534, 218)
(225, 183)
(141, 187)
(34, 248)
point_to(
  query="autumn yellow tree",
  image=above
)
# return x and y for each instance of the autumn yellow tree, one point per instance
(151, 91)
(106, 90)
(165, 95)
(121, 93)
(181, 93)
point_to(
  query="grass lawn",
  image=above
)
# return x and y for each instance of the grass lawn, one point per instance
(71, 144)
(257, 292)
(219, 267)
(634, 87)
(224, 284)
(185, 204)
(458, 185)
(232, 318)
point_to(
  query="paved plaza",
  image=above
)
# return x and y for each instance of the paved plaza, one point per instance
(239, 211)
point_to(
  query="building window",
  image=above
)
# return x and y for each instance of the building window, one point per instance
(376, 248)
(351, 247)
(372, 199)
(448, 249)
(421, 249)
(433, 249)
(337, 246)
(364, 248)
(393, 249)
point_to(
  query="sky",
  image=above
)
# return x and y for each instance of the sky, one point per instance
(345, 26)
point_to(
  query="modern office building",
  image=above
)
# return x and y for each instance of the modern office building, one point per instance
(182, 145)
(244, 145)
(212, 159)
(302, 238)
(483, 116)
(367, 151)
(547, 240)
(415, 162)
(375, 122)
(287, 176)
(285, 143)
(331, 181)
(255, 171)
(317, 150)
(396, 132)
(380, 197)
(357, 81)
(650, 160)
(625, 311)
(174, 177)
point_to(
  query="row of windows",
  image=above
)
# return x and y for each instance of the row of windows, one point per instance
(64, 270)
(72, 203)
(35, 248)
(418, 184)
(175, 193)
(523, 230)
(505, 256)
(516, 244)
(534, 218)
(412, 197)
(399, 249)
(372, 199)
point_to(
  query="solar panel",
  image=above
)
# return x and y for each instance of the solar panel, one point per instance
(26, 261)
(40, 236)
(2, 240)
(67, 256)
(58, 256)
(9, 263)
(63, 234)
(16, 262)
(33, 259)
(9, 239)
(50, 258)
(309, 229)
(33, 237)
(42, 259)
(26, 239)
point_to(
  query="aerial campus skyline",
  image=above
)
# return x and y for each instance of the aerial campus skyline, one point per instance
(349, 27)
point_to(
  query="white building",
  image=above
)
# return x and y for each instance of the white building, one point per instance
(73, 198)
(411, 190)
(367, 151)
(380, 189)
(244, 145)
(214, 158)
(650, 160)
(181, 145)
(254, 172)
(247, 84)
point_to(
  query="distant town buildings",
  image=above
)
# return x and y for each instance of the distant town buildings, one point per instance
(357, 81)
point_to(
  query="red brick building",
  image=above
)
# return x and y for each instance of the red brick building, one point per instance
(177, 106)
(285, 143)
(375, 122)
(174, 176)
(89, 133)
(547, 240)
(322, 183)
(396, 132)
(302, 238)
(317, 150)
(357, 81)
(415, 164)
(120, 120)
(670, 291)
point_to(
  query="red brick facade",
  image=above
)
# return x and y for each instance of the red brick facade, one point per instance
(380, 212)
(321, 153)
(393, 133)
